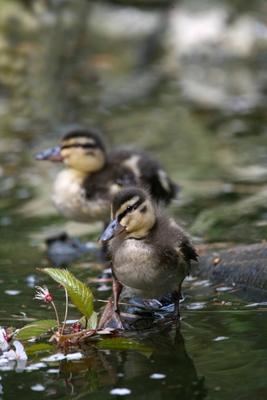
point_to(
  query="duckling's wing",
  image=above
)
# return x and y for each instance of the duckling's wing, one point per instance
(147, 172)
(181, 241)
(171, 235)
(181, 256)
(179, 249)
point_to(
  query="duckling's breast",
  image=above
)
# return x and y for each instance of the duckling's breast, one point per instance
(70, 199)
(137, 266)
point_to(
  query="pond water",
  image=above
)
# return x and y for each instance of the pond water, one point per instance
(203, 114)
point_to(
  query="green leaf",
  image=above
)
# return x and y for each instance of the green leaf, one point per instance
(123, 344)
(37, 348)
(91, 322)
(80, 295)
(35, 329)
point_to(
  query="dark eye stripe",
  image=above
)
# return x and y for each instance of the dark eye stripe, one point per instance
(130, 209)
(84, 146)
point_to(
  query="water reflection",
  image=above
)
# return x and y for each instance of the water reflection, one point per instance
(167, 370)
(106, 370)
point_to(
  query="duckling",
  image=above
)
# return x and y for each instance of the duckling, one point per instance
(150, 254)
(83, 191)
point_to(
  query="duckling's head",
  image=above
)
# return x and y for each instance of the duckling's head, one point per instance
(80, 149)
(132, 212)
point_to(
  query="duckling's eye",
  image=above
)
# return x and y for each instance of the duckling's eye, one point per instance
(78, 145)
(134, 206)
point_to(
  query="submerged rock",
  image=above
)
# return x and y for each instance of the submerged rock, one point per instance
(243, 267)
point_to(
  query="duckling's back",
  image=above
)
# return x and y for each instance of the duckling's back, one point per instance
(147, 172)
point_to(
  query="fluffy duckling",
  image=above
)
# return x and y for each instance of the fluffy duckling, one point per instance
(83, 191)
(150, 253)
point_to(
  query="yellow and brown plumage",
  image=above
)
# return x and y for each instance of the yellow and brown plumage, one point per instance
(150, 254)
(84, 189)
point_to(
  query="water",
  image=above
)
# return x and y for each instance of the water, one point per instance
(56, 70)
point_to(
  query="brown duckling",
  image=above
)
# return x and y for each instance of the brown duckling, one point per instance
(150, 254)
(83, 191)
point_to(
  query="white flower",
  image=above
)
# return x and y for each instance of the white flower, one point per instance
(3, 340)
(17, 354)
(43, 294)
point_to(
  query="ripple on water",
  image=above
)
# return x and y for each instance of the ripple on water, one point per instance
(224, 288)
(53, 371)
(37, 387)
(157, 376)
(196, 306)
(120, 391)
(35, 367)
(220, 338)
(12, 292)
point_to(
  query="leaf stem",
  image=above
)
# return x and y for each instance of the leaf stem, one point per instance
(57, 318)
(66, 310)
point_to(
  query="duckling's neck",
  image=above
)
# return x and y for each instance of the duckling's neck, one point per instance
(69, 178)
(75, 174)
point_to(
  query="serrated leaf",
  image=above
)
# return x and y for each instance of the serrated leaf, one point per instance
(91, 323)
(35, 329)
(80, 295)
(37, 348)
(123, 344)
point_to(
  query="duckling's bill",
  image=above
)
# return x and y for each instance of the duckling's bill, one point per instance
(52, 154)
(113, 229)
